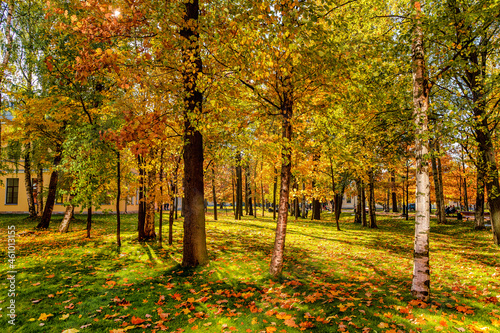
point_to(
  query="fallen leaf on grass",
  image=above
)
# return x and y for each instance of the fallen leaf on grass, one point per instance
(45, 316)
(71, 330)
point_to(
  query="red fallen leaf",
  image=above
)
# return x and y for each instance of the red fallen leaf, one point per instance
(124, 303)
(50, 276)
(35, 284)
(176, 296)
(492, 299)
(136, 321)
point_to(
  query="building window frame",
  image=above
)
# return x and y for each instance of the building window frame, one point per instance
(12, 191)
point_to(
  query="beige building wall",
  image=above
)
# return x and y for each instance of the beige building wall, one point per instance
(22, 201)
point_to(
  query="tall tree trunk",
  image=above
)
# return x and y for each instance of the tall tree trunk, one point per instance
(213, 194)
(176, 191)
(275, 189)
(51, 195)
(39, 189)
(160, 223)
(393, 192)
(118, 198)
(171, 220)
(89, 218)
(276, 265)
(262, 196)
(194, 244)
(357, 214)
(303, 212)
(420, 288)
(466, 198)
(246, 192)
(248, 186)
(486, 161)
(239, 188)
(27, 180)
(408, 191)
(371, 199)
(149, 223)
(363, 205)
(479, 210)
(232, 187)
(441, 216)
(68, 216)
(141, 216)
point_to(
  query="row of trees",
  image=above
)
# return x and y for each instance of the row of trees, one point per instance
(302, 98)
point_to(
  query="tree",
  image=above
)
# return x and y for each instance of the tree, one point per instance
(421, 279)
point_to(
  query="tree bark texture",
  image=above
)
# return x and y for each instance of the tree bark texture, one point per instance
(51, 195)
(68, 216)
(276, 265)
(393, 192)
(27, 180)
(420, 288)
(118, 198)
(194, 243)
(239, 188)
(371, 199)
(39, 191)
(89, 218)
(214, 196)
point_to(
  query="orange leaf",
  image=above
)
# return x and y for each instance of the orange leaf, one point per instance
(136, 321)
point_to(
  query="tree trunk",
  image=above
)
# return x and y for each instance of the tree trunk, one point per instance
(213, 194)
(357, 215)
(275, 189)
(248, 186)
(176, 191)
(441, 216)
(371, 199)
(262, 196)
(68, 216)
(149, 223)
(118, 198)
(363, 205)
(420, 288)
(276, 265)
(194, 244)
(89, 218)
(232, 187)
(160, 223)
(239, 188)
(393, 190)
(51, 195)
(171, 221)
(479, 210)
(39, 188)
(27, 180)
(141, 216)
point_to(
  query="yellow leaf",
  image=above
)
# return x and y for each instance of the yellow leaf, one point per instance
(44, 316)
(71, 330)
(64, 316)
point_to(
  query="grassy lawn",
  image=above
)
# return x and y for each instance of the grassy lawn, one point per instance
(356, 280)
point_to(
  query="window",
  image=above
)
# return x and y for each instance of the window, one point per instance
(348, 199)
(12, 191)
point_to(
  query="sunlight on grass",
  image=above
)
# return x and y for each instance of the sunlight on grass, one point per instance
(355, 280)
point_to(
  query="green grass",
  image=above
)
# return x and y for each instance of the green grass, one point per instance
(356, 280)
